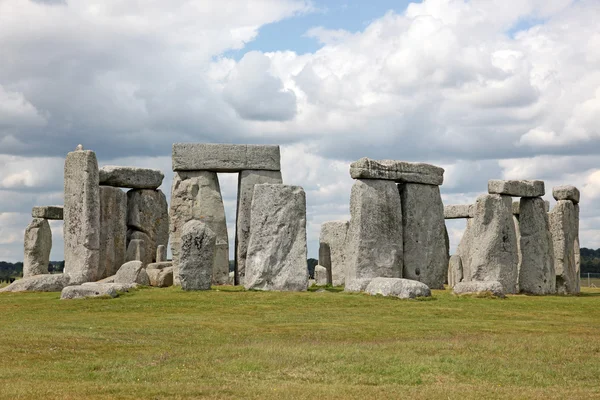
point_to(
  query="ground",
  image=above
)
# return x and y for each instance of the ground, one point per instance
(170, 344)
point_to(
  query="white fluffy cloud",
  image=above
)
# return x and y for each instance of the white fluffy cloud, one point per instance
(452, 82)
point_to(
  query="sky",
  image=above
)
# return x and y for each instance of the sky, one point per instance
(487, 89)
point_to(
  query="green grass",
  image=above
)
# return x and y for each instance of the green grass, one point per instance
(230, 344)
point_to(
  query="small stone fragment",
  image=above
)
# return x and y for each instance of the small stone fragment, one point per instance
(521, 188)
(132, 272)
(321, 275)
(160, 277)
(398, 287)
(479, 288)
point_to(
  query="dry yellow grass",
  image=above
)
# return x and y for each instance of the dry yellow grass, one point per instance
(169, 344)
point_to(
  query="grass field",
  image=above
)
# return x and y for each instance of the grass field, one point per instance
(169, 344)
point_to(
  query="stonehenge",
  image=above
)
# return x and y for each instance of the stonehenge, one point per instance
(332, 251)
(196, 257)
(38, 244)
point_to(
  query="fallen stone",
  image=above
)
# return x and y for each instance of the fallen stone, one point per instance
(136, 250)
(397, 171)
(113, 230)
(197, 254)
(398, 287)
(85, 291)
(81, 229)
(321, 275)
(332, 250)
(523, 188)
(109, 279)
(493, 252)
(424, 248)
(277, 253)
(459, 211)
(225, 157)
(119, 287)
(564, 227)
(159, 265)
(132, 272)
(196, 195)
(160, 277)
(48, 212)
(536, 272)
(455, 270)
(130, 177)
(39, 283)
(357, 285)
(566, 193)
(161, 253)
(148, 213)
(38, 245)
(479, 288)
(246, 182)
(374, 241)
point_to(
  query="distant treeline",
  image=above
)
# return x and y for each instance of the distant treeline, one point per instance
(590, 261)
(15, 270)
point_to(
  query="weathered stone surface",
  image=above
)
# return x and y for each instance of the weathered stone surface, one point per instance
(398, 287)
(425, 253)
(119, 287)
(136, 250)
(159, 265)
(161, 253)
(374, 241)
(39, 283)
(398, 171)
(516, 206)
(464, 249)
(132, 272)
(225, 157)
(38, 244)
(357, 285)
(160, 277)
(246, 182)
(567, 192)
(109, 279)
(277, 253)
(459, 211)
(518, 235)
(48, 212)
(536, 272)
(82, 216)
(564, 227)
(332, 250)
(321, 275)
(493, 252)
(455, 270)
(85, 291)
(521, 188)
(148, 212)
(196, 195)
(197, 256)
(479, 288)
(130, 177)
(113, 230)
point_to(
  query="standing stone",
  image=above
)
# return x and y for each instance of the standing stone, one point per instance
(197, 254)
(536, 272)
(332, 250)
(564, 226)
(425, 254)
(161, 253)
(113, 230)
(38, 244)
(374, 241)
(81, 216)
(321, 275)
(455, 270)
(246, 182)
(196, 195)
(148, 219)
(277, 252)
(493, 244)
(136, 251)
(464, 248)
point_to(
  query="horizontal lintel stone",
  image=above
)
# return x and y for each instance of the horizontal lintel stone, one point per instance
(459, 211)
(130, 177)
(517, 188)
(225, 157)
(48, 212)
(566, 193)
(398, 171)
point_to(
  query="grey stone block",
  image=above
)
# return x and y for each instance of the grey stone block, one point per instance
(38, 245)
(566, 193)
(225, 157)
(39, 283)
(398, 171)
(196, 257)
(332, 250)
(113, 230)
(48, 212)
(517, 188)
(458, 211)
(479, 288)
(397, 287)
(130, 177)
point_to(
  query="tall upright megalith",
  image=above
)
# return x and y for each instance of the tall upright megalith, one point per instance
(196, 257)
(148, 219)
(277, 252)
(113, 230)
(332, 250)
(374, 241)
(81, 216)
(196, 195)
(38, 244)
(564, 226)
(246, 181)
